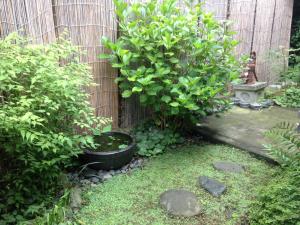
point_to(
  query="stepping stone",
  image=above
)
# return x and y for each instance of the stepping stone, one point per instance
(214, 187)
(180, 202)
(228, 167)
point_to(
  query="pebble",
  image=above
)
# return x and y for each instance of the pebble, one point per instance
(93, 177)
(107, 176)
(255, 106)
(95, 180)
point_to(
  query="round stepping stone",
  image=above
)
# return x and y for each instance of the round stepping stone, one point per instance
(180, 203)
(229, 167)
(214, 187)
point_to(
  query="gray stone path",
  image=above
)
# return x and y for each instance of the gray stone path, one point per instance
(244, 128)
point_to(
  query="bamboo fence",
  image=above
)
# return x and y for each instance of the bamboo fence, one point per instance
(260, 25)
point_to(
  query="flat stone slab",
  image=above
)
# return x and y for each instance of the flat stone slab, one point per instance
(214, 187)
(251, 87)
(228, 167)
(180, 202)
(245, 128)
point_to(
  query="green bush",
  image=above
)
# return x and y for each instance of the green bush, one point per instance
(43, 105)
(290, 97)
(58, 214)
(285, 147)
(295, 37)
(152, 141)
(278, 203)
(177, 62)
(292, 74)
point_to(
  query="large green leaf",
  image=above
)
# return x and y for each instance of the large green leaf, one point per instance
(126, 94)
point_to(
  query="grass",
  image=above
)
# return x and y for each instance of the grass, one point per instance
(133, 199)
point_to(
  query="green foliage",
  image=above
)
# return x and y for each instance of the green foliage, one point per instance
(290, 97)
(58, 214)
(292, 74)
(295, 37)
(285, 145)
(43, 105)
(295, 44)
(152, 141)
(278, 202)
(178, 63)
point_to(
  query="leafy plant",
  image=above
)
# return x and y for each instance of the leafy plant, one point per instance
(285, 145)
(292, 74)
(295, 37)
(290, 97)
(177, 62)
(152, 141)
(58, 214)
(43, 105)
(278, 202)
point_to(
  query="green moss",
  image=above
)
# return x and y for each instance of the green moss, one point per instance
(134, 198)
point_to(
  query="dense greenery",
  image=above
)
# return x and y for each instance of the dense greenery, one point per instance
(292, 74)
(289, 97)
(58, 214)
(152, 141)
(42, 107)
(286, 145)
(279, 202)
(178, 63)
(295, 34)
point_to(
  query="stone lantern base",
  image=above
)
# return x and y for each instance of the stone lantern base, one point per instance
(249, 93)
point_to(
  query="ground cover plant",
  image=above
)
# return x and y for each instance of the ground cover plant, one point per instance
(152, 141)
(279, 201)
(178, 63)
(134, 198)
(42, 106)
(289, 97)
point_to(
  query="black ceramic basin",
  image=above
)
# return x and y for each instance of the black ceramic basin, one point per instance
(114, 157)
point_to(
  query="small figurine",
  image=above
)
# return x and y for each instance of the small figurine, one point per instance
(250, 75)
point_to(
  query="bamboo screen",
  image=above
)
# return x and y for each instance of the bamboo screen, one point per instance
(261, 25)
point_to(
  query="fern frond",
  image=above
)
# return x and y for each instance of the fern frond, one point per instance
(285, 145)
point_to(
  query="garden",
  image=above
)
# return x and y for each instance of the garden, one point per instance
(62, 163)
